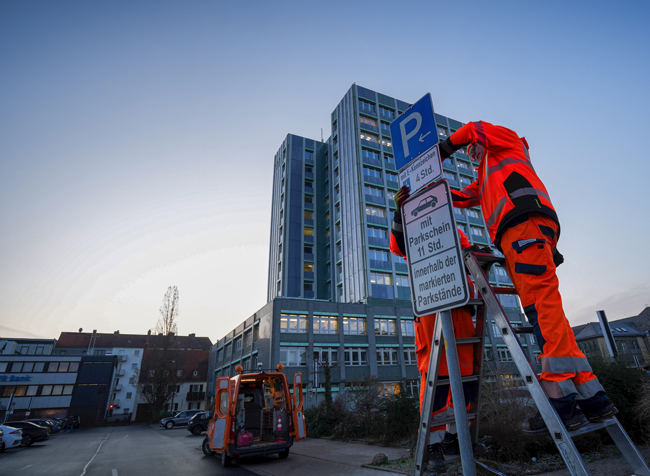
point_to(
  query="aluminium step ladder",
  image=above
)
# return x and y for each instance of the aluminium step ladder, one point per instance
(478, 264)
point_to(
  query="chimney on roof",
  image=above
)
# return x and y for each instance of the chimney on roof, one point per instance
(149, 332)
(171, 334)
(117, 333)
(80, 330)
(192, 335)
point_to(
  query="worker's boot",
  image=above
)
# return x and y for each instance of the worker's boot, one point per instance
(436, 463)
(568, 411)
(451, 447)
(598, 408)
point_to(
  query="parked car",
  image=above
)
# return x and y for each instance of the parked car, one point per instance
(180, 419)
(32, 433)
(11, 437)
(198, 423)
(254, 415)
(46, 422)
(75, 421)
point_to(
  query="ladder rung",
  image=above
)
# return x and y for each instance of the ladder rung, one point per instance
(468, 378)
(487, 258)
(475, 302)
(469, 340)
(522, 329)
(496, 290)
(592, 427)
(444, 421)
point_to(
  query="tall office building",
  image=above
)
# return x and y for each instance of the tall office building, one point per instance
(333, 206)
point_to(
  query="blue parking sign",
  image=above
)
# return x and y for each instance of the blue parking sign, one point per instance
(414, 132)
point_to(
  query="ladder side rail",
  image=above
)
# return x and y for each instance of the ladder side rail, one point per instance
(558, 431)
(479, 366)
(628, 449)
(458, 396)
(435, 356)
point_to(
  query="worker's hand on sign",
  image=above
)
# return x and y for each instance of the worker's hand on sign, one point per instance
(400, 197)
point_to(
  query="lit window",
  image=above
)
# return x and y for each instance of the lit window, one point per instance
(380, 278)
(385, 327)
(408, 328)
(309, 268)
(354, 326)
(293, 323)
(309, 232)
(325, 324)
(402, 280)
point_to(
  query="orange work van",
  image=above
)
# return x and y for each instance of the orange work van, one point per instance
(255, 414)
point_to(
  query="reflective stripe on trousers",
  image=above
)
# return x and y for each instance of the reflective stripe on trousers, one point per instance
(565, 369)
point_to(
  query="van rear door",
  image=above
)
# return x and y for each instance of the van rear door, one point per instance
(297, 413)
(222, 417)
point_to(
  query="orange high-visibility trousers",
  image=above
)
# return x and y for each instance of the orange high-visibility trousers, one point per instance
(463, 327)
(528, 248)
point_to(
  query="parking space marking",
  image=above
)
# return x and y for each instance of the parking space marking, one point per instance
(96, 452)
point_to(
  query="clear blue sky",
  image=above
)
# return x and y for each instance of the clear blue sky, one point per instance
(137, 139)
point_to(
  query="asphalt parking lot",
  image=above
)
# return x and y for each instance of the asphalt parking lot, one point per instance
(115, 451)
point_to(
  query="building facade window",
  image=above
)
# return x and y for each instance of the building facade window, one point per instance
(293, 323)
(354, 326)
(409, 357)
(329, 355)
(387, 356)
(385, 327)
(408, 328)
(375, 211)
(248, 338)
(380, 278)
(325, 324)
(356, 356)
(401, 280)
(293, 356)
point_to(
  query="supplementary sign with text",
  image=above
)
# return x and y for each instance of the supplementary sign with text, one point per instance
(436, 269)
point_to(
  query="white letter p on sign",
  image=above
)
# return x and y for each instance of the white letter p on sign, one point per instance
(405, 137)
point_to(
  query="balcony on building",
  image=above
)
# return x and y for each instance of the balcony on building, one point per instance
(373, 162)
(309, 175)
(309, 275)
(193, 396)
(479, 239)
(309, 190)
(375, 199)
(385, 265)
(309, 294)
(309, 221)
(116, 402)
(403, 293)
(377, 220)
(475, 221)
(309, 239)
(388, 148)
(373, 180)
(118, 387)
(390, 166)
(122, 358)
(309, 206)
(309, 256)
(460, 217)
(392, 184)
(401, 267)
(120, 373)
(373, 241)
(382, 291)
(369, 128)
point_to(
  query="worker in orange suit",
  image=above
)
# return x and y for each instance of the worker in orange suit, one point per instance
(440, 441)
(523, 224)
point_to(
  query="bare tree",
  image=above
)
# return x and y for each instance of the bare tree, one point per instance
(162, 367)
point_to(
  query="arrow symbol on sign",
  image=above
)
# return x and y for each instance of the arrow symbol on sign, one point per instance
(423, 136)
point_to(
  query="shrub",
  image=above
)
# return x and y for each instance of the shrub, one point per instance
(400, 418)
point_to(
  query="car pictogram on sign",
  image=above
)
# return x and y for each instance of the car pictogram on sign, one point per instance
(424, 204)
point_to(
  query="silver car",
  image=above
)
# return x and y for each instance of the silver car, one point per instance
(180, 419)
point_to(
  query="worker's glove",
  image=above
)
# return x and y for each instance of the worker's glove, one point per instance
(400, 198)
(558, 259)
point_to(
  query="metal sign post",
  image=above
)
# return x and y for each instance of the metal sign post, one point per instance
(607, 333)
(415, 145)
(436, 269)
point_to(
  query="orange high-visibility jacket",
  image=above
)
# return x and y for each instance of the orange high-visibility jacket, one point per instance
(507, 186)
